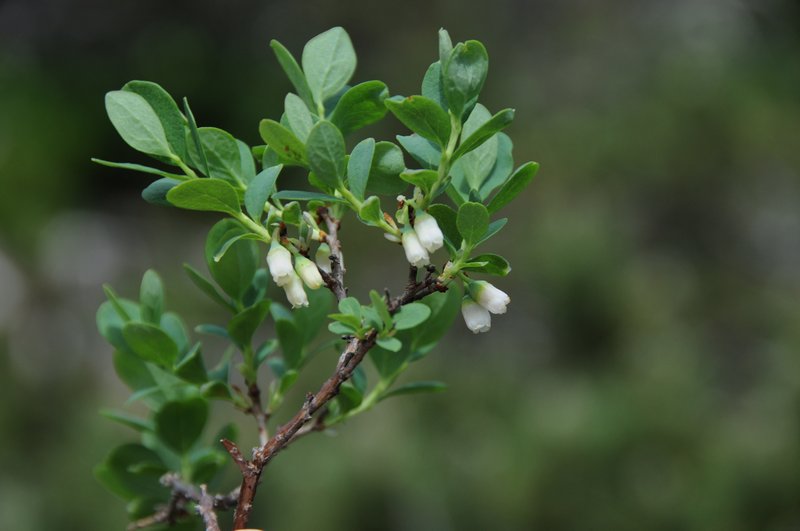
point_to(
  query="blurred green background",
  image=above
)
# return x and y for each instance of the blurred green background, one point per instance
(647, 375)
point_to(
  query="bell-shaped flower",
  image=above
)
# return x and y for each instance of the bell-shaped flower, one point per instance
(323, 257)
(294, 291)
(428, 232)
(308, 272)
(477, 318)
(489, 296)
(415, 252)
(279, 261)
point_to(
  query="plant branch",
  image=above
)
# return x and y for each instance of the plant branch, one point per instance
(334, 280)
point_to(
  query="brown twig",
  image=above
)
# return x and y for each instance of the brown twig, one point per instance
(205, 508)
(334, 280)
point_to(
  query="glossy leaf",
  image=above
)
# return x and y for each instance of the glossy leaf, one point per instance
(180, 423)
(463, 75)
(173, 122)
(514, 186)
(150, 343)
(360, 106)
(329, 61)
(137, 123)
(326, 153)
(472, 221)
(283, 142)
(423, 116)
(211, 195)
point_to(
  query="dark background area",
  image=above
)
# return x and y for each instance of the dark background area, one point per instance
(647, 375)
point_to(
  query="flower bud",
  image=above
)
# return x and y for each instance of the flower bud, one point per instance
(428, 232)
(308, 272)
(489, 296)
(323, 257)
(295, 292)
(391, 237)
(279, 261)
(415, 252)
(476, 316)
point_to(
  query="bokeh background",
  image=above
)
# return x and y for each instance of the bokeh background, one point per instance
(647, 375)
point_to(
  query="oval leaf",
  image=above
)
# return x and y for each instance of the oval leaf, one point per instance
(259, 191)
(472, 221)
(411, 315)
(329, 61)
(137, 123)
(423, 116)
(150, 343)
(173, 122)
(360, 106)
(283, 142)
(518, 181)
(179, 424)
(326, 153)
(359, 165)
(211, 195)
(463, 75)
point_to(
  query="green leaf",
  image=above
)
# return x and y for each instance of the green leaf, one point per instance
(329, 61)
(350, 305)
(132, 370)
(370, 211)
(411, 315)
(138, 167)
(151, 297)
(494, 228)
(446, 218)
(193, 131)
(445, 307)
(234, 272)
(472, 222)
(347, 319)
(180, 423)
(156, 192)
(298, 116)
(119, 304)
(303, 195)
(384, 176)
(502, 167)
(326, 153)
(248, 163)
(132, 470)
(424, 151)
(126, 419)
(266, 348)
(475, 166)
(244, 324)
(259, 191)
(382, 308)
(172, 324)
(495, 124)
(137, 123)
(206, 287)
(229, 243)
(212, 195)
(518, 181)
(290, 338)
(445, 45)
(293, 72)
(492, 265)
(423, 116)
(222, 155)
(150, 343)
(360, 106)
(392, 344)
(192, 368)
(417, 387)
(359, 165)
(173, 122)
(283, 142)
(432, 85)
(463, 75)
(422, 178)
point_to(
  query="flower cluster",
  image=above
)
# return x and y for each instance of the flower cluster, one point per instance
(422, 240)
(482, 300)
(291, 277)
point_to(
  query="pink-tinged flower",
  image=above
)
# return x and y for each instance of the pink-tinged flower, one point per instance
(308, 272)
(428, 232)
(415, 252)
(489, 296)
(294, 291)
(476, 316)
(279, 261)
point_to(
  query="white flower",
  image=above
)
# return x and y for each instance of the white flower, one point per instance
(415, 252)
(489, 296)
(279, 260)
(476, 316)
(391, 237)
(428, 232)
(295, 292)
(323, 257)
(308, 272)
